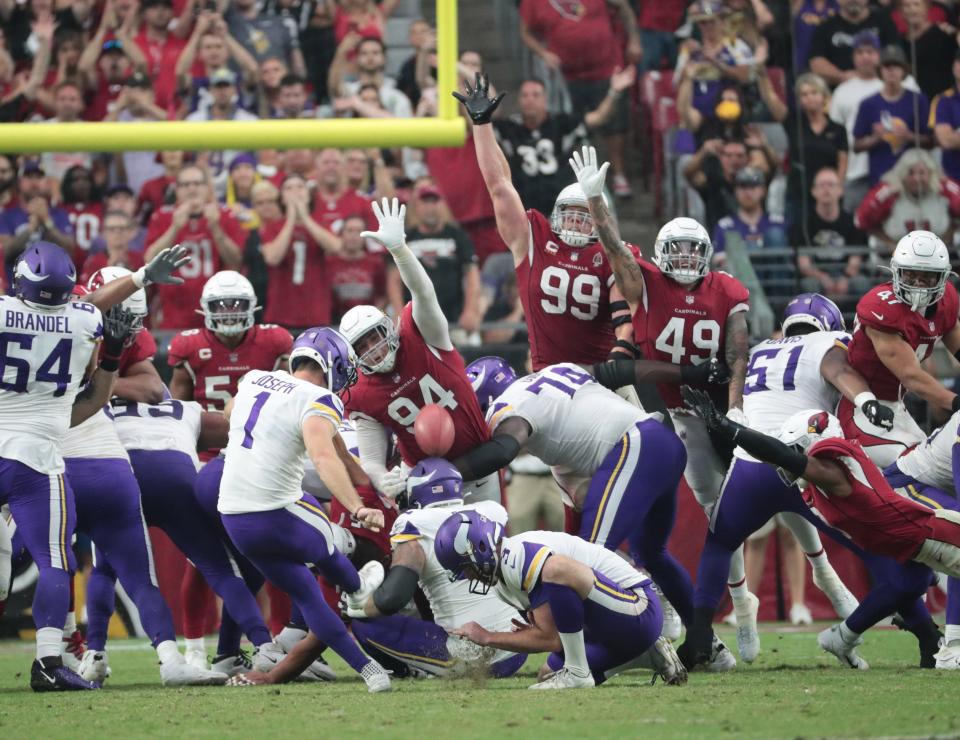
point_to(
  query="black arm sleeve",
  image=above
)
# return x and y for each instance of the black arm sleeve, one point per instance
(487, 458)
(396, 590)
(615, 374)
(766, 448)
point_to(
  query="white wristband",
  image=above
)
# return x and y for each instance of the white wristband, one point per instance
(862, 398)
(139, 277)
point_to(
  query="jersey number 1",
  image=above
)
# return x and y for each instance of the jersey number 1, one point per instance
(258, 402)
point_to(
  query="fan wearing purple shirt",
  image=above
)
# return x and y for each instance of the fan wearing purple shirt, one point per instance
(893, 120)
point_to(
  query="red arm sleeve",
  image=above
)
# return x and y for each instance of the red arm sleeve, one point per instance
(876, 207)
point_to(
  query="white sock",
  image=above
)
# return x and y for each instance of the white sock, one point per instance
(71, 626)
(49, 643)
(168, 652)
(951, 634)
(804, 532)
(847, 634)
(737, 575)
(6, 553)
(820, 562)
(195, 643)
(738, 591)
(574, 652)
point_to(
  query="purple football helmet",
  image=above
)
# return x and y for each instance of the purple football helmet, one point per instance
(331, 351)
(466, 545)
(44, 276)
(434, 482)
(813, 309)
(490, 376)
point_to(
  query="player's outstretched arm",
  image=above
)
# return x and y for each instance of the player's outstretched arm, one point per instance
(902, 361)
(736, 353)
(141, 382)
(497, 452)
(159, 270)
(426, 308)
(540, 635)
(836, 370)
(507, 207)
(626, 271)
(117, 325)
(318, 434)
(615, 374)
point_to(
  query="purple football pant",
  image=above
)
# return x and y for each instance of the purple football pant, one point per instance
(400, 643)
(751, 494)
(206, 491)
(43, 508)
(109, 511)
(279, 543)
(614, 633)
(633, 497)
(934, 498)
(166, 481)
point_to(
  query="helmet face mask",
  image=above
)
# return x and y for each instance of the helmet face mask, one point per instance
(570, 218)
(467, 545)
(228, 303)
(135, 304)
(374, 338)
(683, 250)
(920, 267)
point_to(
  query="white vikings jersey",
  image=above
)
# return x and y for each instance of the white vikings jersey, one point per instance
(45, 354)
(311, 478)
(265, 452)
(931, 462)
(94, 439)
(168, 425)
(522, 558)
(575, 420)
(451, 601)
(783, 377)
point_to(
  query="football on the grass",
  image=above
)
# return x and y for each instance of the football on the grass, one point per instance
(434, 430)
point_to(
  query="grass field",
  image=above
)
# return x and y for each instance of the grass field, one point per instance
(793, 691)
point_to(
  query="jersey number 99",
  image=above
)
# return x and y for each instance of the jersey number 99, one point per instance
(583, 290)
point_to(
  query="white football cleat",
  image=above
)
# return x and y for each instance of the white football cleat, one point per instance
(666, 663)
(181, 673)
(748, 638)
(672, 626)
(721, 659)
(948, 658)
(832, 641)
(318, 670)
(231, 665)
(730, 619)
(566, 679)
(371, 576)
(94, 667)
(196, 658)
(800, 614)
(827, 580)
(73, 650)
(376, 677)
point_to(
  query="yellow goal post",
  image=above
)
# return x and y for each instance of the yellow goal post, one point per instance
(444, 130)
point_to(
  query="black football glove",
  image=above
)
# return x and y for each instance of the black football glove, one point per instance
(702, 405)
(161, 268)
(118, 324)
(878, 414)
(713, 372)
(479, 107)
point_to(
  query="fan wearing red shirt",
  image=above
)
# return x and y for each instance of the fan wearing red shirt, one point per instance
(209, 231)
(85, 213)
(898, 324)
(156, 193)
(294, 249)
(161, 48)
(403, 368)
(356, 277)
(333, 200)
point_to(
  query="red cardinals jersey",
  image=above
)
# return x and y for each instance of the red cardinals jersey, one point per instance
(685, 327)
(361, 282)
(874, 516)
(86, 219)
(294, 293)
(216, 368)
(330, 212)
(881, 310)
(422, 374)
(565, 294)
(179, 303)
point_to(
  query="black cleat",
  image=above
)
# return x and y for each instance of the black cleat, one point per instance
(50, 674)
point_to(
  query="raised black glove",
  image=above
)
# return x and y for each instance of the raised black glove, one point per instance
(479, 107)
(713, 372)
(118, 324)
(878, 414)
